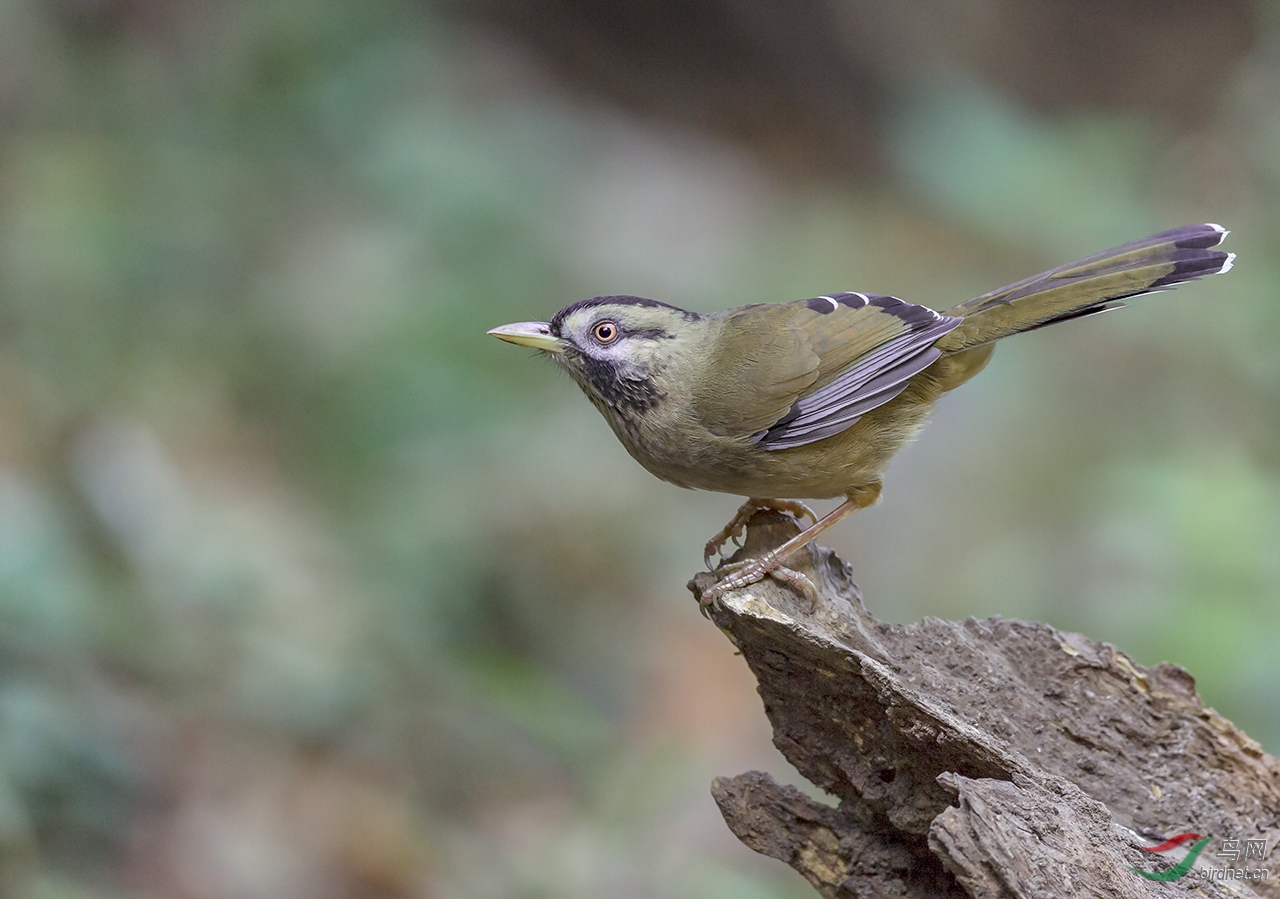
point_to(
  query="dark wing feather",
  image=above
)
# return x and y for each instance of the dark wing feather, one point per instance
(794, 373)
(877, 373)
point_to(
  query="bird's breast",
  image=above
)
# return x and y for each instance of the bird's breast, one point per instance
(671, 443)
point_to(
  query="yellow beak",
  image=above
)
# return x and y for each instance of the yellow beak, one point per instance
(535, 334)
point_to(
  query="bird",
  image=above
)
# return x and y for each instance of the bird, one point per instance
(810, 399)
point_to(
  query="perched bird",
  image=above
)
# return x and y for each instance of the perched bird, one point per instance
(811, 399)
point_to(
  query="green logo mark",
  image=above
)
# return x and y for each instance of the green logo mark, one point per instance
(1181, 868)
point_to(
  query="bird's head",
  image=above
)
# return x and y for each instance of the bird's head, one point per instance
(616, 348)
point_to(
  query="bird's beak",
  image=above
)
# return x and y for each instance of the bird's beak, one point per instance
(535, 334)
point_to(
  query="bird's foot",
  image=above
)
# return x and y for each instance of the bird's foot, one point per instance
(737, 526)
(736, 575)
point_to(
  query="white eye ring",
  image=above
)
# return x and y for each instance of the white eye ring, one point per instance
(605, 332)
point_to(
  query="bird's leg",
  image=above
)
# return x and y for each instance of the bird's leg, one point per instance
(738, 524)
(737, 575)
(745, 570)
(743, 574)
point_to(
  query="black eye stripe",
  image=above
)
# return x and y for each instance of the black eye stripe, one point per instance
(650, 333)
(622, 331)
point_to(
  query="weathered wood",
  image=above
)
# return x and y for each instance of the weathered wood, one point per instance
(983, 758)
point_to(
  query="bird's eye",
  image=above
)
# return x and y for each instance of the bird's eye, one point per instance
(605, 332)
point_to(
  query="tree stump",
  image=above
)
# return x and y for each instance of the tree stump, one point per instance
(981, 758)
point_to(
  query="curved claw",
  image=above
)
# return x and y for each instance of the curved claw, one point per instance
(737, 575)
(736, 529)
(798, 581)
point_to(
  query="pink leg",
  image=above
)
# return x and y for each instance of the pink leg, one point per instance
(743, 574)
(738, 524)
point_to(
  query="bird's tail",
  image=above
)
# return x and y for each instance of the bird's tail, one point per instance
(1089, 286)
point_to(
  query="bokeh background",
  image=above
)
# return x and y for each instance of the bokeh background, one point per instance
(310, 589)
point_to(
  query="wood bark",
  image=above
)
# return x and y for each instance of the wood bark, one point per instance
(986, 758)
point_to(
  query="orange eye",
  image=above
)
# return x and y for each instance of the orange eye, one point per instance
(605, 332)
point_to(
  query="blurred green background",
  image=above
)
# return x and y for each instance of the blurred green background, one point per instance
(310, 589)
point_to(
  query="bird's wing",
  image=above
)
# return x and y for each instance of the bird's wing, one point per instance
(851, 352)
(761, 364)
